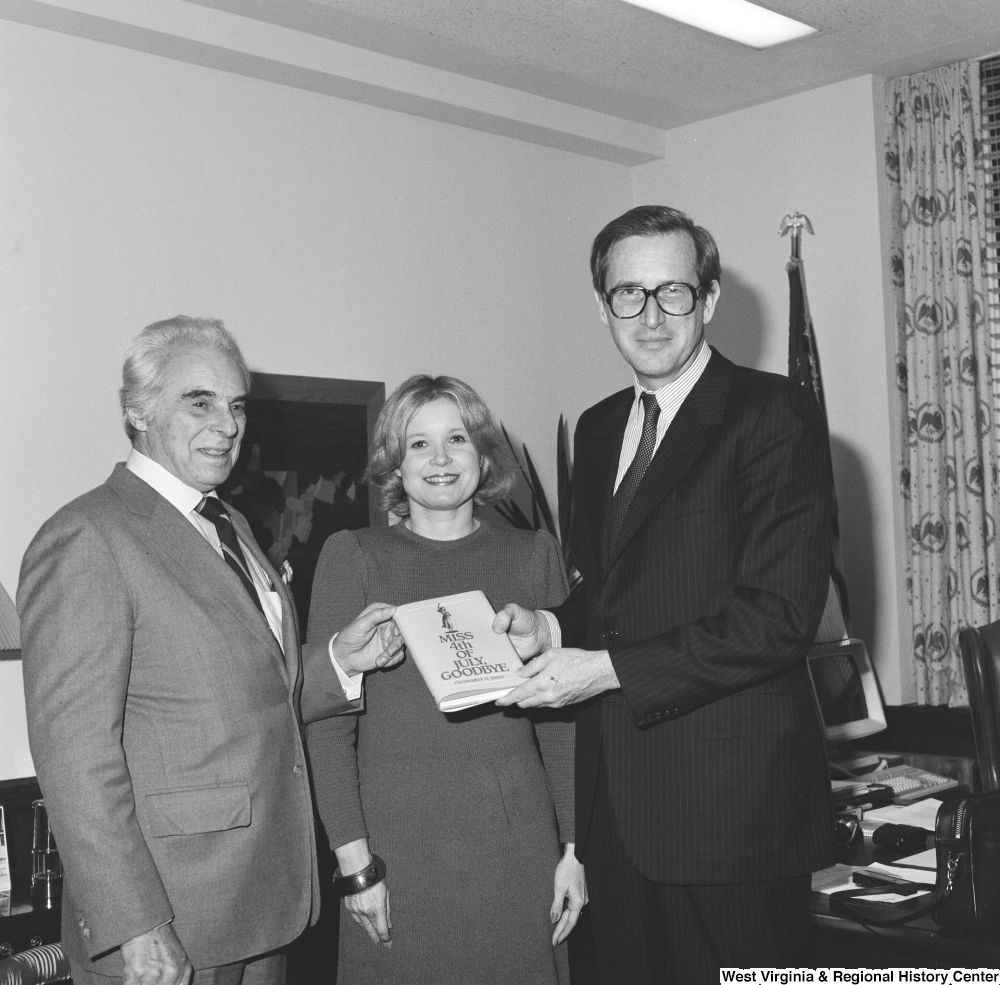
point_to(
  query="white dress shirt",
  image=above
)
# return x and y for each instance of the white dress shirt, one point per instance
(186, 499)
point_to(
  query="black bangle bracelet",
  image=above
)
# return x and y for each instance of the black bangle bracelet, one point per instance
(358, 882)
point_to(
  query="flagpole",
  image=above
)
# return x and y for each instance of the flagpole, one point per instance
(803, 368)
(794, 224)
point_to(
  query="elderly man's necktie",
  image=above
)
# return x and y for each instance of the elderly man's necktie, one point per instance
(213, 510)
(633, 476)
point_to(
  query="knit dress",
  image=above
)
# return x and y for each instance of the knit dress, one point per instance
(460, 806)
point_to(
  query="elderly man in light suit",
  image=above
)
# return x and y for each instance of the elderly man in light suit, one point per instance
(163, 679)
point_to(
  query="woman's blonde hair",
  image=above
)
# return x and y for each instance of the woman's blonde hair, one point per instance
(497, 469)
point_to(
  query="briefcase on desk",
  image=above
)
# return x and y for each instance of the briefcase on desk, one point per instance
(967, 891)
(967, 839)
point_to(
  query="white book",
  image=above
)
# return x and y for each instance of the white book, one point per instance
(451, 640)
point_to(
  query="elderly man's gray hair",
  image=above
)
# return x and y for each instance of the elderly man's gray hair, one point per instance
(147, 354)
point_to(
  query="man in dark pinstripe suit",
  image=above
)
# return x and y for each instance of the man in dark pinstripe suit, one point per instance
(701, 526)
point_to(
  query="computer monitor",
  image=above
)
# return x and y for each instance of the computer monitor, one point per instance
(846, 690)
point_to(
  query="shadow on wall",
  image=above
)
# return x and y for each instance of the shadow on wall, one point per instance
(857, 540)
(737, 330)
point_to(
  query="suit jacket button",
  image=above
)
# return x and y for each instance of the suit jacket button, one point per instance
(297, 770)
(609, 634)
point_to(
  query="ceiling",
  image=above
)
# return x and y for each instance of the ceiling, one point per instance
(610, 57)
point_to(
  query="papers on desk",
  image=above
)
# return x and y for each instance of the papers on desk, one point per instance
(840, 878)
(921, 813)
(892, 898)
(848, 787)
(834, 879)
(922, 860)
(926, 877)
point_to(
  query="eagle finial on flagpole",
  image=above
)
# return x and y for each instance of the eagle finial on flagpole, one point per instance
(794, 223)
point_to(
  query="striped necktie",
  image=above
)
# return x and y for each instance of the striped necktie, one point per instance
(213, 510)
(633, 476)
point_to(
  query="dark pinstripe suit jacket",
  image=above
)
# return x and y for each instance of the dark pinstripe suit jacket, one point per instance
(707, 603)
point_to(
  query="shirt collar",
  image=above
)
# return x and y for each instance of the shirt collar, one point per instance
(175, 492)
(684, 383)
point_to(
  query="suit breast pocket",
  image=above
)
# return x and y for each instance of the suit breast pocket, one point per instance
(744, 715)
(198, 810)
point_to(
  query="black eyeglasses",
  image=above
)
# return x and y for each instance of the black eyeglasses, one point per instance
(673, 298)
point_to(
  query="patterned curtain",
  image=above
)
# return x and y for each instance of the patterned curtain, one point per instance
(936, 167)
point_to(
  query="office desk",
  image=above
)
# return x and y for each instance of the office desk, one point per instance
(841, 942)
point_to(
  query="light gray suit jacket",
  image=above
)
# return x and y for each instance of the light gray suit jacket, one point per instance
(164, 725)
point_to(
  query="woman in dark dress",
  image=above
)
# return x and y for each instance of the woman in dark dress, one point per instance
(468, 809)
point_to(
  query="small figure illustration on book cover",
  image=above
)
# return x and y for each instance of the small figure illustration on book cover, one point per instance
(446, 619)
(451, 640)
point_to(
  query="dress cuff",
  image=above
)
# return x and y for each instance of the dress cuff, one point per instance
(352, 684)
(554, 631)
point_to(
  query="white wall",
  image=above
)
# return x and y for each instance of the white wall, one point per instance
(134, 188)
(15, 757)
(818, 153)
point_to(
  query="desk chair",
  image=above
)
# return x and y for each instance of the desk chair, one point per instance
(981, 659)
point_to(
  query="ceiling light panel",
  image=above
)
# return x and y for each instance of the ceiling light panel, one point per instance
(738, 20)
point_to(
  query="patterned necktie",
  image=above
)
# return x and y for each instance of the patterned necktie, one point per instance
(633, 476)
(213, 510)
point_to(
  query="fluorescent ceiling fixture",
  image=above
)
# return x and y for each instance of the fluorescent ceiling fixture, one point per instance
(738, 20)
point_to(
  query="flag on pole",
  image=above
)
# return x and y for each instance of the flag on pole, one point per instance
(803, 355)
(803, 368)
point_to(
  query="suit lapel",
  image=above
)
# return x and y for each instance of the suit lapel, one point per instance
(172, 534)
(598, 471)
(289, 624)
(680, 448)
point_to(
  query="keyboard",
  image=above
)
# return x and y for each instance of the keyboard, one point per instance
(908, 783)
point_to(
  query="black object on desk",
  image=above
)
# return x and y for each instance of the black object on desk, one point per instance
(26, 926)
(902, 839)
(870, 880)
(46, 868)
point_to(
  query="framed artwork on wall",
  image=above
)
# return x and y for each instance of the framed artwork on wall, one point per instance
(298, 478)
